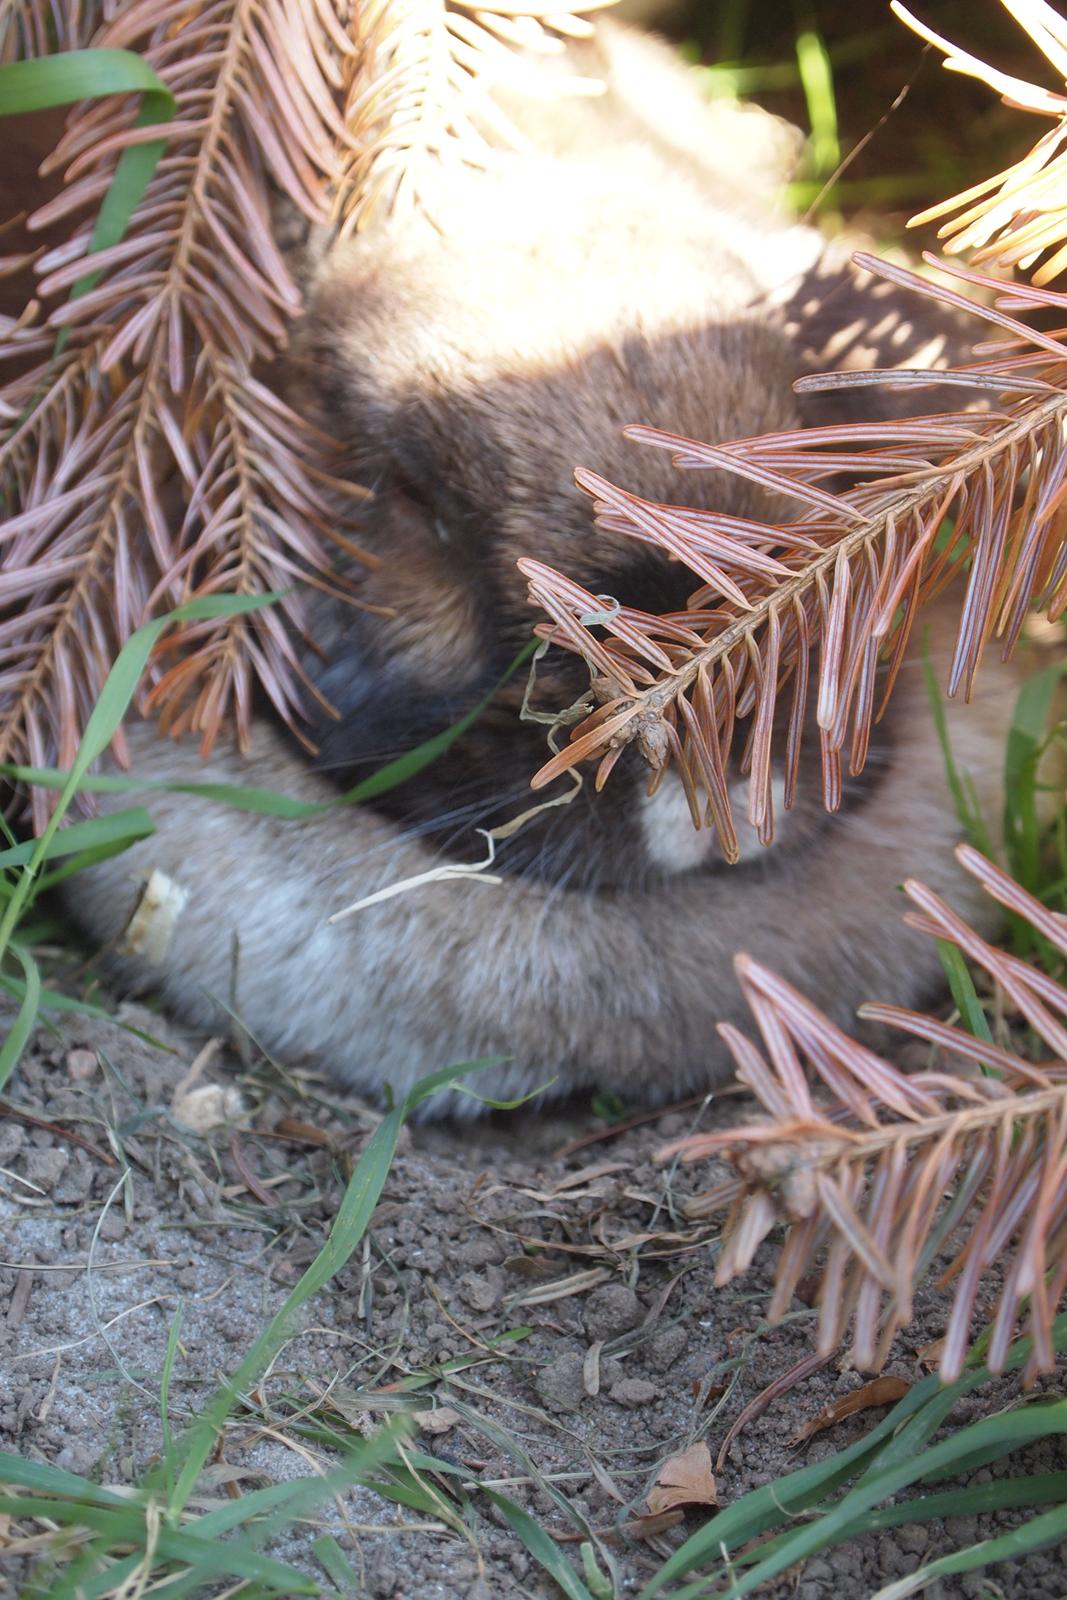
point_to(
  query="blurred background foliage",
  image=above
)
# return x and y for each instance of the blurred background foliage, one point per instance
(838, 68)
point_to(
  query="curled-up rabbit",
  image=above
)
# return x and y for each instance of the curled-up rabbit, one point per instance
(627, 266)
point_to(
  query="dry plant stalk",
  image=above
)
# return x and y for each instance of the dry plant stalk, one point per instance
(886, 1172)
(144, 460)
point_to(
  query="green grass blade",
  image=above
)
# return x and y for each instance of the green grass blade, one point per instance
(120, 827)
(966, 806)
(199, 1548)
(507, 1105)
(414, 761)
(544, 1549)
(83, 1579)
(1027, 738)
(1001, 1494)
(299, 1495)
(1033, 1489)
(409, 1491)
(118, 1524)
(25, 1017)
(130, 663)
(797, 1491)
(899, 1436)
(964, 993)
(61, 80)
(52, 1000)
(104, 720)
(240, 797)
(817, 82)
(78, 863)
(214, 1558)
(1049, 1528)
(45, 1479)
(509, 1446)
(133, 174)
(357, 1206)
(1008, 1430)
(907, 1441)
(74, 75)
(340, 1571)
(169, 1358)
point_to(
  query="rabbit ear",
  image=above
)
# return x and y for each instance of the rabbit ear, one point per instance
(842, 319)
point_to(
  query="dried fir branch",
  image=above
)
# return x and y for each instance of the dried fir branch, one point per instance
(30, 28)
(423, 83)
(147, 465)
(1015, 217)
(884, 1175)
(845, 579)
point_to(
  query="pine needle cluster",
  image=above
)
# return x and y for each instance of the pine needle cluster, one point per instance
(145, 461)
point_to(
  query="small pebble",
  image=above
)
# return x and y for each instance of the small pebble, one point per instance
(666, 1347)
(112, 1226)
(46, 1167)
(482, 1291)
(81, 1064)
(560, 1384)
(611, 1310)
(633, 1392)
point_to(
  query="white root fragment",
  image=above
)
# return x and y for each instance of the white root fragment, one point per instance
(151, 928)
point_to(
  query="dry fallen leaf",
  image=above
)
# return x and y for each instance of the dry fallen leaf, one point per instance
(560, 1288)
(930, 1354)
(531, 1267)
(684, 1480)
(879, 1392)
(575, 1180)
(439, 1420)
(651, 1527)
(302, 1132)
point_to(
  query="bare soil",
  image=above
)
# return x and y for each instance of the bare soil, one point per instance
(482, 1228)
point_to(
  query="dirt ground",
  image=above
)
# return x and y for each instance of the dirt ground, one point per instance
(92, 1269)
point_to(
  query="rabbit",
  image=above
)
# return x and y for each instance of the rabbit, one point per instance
(626, 264)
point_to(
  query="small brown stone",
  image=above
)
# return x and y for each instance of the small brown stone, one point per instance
(82, 1064)
(633, 1392)
(610, 1311)
(561, 1384)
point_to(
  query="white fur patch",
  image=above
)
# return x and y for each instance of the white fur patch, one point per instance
(672, 842)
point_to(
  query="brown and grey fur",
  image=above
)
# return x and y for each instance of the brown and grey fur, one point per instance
(628, 268)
